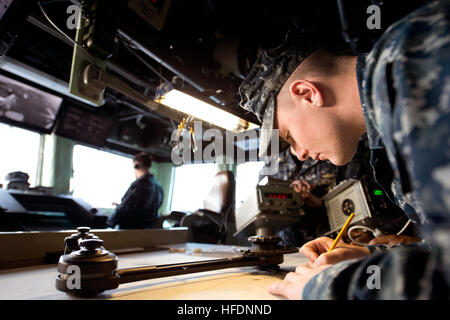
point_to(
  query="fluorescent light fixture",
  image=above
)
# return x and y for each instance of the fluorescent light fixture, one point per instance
(201, 110)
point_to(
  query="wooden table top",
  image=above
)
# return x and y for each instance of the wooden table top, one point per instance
(245, 283)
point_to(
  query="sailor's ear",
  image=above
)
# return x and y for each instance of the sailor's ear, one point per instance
(306, 92)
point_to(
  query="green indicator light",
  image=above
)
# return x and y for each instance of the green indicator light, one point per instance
(377, 192)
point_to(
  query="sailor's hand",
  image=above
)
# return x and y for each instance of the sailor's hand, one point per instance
(293, 284)
(317, 252)
(301, 187)
(359, 235)
(392, 239)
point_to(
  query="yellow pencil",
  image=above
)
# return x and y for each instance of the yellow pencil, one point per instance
(343, 230)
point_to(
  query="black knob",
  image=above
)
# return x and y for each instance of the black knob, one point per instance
(348, 207)
(91, 244)
(83, 230)
(265, 239)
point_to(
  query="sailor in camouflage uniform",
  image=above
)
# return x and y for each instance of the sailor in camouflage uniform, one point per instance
(320, 177)
(324, 175)
(404, 90)
(321, 174)
(288, 166)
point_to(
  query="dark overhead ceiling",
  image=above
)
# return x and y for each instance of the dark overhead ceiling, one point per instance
(208, 44)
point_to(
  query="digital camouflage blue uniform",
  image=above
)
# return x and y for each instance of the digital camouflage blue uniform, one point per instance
(139, 206)
(320, 174)
(405, 92)
(288, 166)
(404, 85)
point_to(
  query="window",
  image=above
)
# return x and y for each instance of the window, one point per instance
(247, 175)
(20, 151)
(100, 178)
(191, 185)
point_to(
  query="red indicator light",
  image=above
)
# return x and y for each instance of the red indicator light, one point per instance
(278, 195)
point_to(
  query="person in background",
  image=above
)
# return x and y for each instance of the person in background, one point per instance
(139, 206)
(312, 179)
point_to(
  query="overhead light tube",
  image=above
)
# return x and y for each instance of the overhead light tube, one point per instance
(199, 109)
